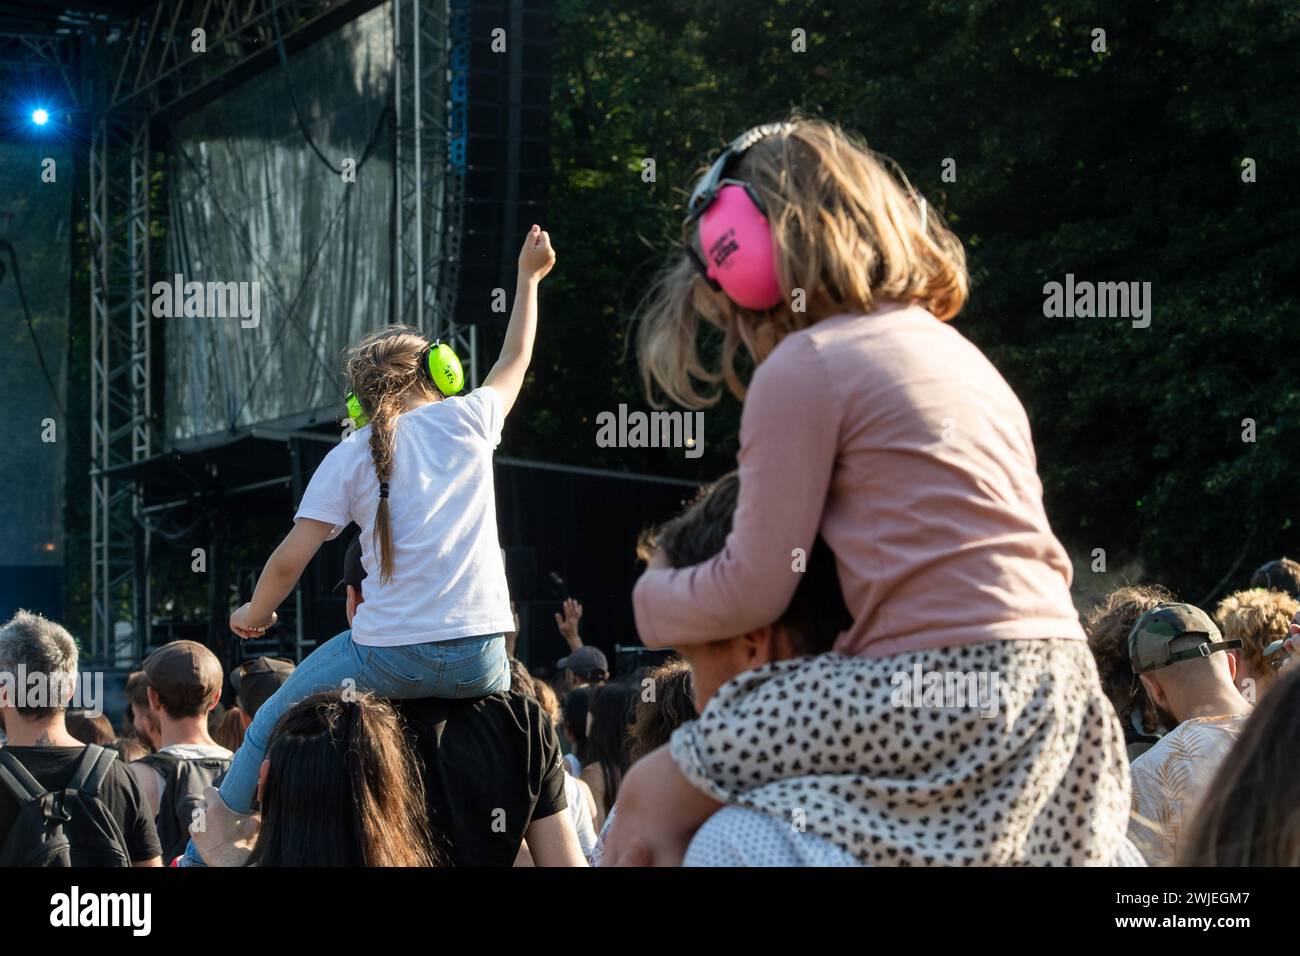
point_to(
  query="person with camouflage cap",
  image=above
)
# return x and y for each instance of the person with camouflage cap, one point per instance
(1176, 652)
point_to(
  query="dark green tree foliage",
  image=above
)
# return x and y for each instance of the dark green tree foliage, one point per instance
(1116, 166)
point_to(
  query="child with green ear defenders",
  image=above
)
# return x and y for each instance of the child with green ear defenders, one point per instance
(416, 476)
(438, 362)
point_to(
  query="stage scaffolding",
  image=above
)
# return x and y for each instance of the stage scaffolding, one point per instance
(149, 74)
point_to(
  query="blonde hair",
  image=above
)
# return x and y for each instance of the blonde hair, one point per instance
(844, 230)
(1256, 618)
(383, 370)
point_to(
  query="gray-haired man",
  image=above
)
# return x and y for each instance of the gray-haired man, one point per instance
(38, 674)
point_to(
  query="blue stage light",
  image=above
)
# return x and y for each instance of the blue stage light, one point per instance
(40, 117)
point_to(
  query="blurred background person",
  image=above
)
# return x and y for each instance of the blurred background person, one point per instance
(90, 729)
(1178, 654)
(613, 708)
(577, 703)
(659, 714)
(1108, 626)
(1280, 575)
(1257, 618)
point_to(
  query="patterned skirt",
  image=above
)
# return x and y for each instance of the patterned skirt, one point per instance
(987, 754)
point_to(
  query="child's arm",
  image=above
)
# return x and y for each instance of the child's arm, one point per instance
(282, 571)
(507, 375)
(658, 813)
(790, 431)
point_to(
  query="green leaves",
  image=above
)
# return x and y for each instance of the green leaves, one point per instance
(1118, 167)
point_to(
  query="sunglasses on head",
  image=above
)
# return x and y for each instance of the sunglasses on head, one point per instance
(714, 181)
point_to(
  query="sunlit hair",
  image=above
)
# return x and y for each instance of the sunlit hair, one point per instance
(547, 700)
(1257, 618)
(383, 371)
(846, 230)
(1250, 815)
(1108, 626)
(673, 705)
(230, 732)
(342, 788)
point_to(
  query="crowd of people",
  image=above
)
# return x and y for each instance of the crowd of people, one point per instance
(879, 660)
(531, 776)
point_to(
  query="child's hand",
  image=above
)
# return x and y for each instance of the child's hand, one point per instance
(537, 257)
(241, 622)
(658, 814)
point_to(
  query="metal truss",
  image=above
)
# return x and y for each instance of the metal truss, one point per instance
(27, 52)
(160, 68)
(152, 72)
(121, 361)
(430, 84)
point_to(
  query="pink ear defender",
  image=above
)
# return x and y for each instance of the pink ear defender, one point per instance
(735, 237)
(737, 245)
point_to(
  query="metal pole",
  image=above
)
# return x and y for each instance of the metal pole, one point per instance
(419, 167)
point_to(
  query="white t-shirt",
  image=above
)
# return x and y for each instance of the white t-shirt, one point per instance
(580, 814)
(449, 580)
(738, 836)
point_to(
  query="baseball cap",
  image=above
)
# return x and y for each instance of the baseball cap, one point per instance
(583, 661)
(353, 571)
(1158, 628)
(256, 680)
(184, 671)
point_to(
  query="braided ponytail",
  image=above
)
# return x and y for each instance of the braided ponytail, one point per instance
(383, 370)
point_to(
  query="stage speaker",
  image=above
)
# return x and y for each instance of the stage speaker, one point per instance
(508, 152)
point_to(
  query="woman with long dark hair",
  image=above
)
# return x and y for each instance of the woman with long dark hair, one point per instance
(577, 704)
(611, 712)
(339, 787)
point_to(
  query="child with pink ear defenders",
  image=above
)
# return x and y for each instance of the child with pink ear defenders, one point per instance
(734, 232)
(868, 420)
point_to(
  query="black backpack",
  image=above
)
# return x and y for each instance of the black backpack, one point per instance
(186, 777)
(71, 827)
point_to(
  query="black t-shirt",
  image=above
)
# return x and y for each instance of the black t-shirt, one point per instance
(53, 768)
(491, 767)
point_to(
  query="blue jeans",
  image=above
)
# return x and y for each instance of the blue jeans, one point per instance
(463, 668)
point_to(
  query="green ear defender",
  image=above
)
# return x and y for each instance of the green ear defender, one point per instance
(443, 368)
(359, 417)
(438, 364)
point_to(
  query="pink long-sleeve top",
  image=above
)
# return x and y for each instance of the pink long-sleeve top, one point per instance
(897, 440)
